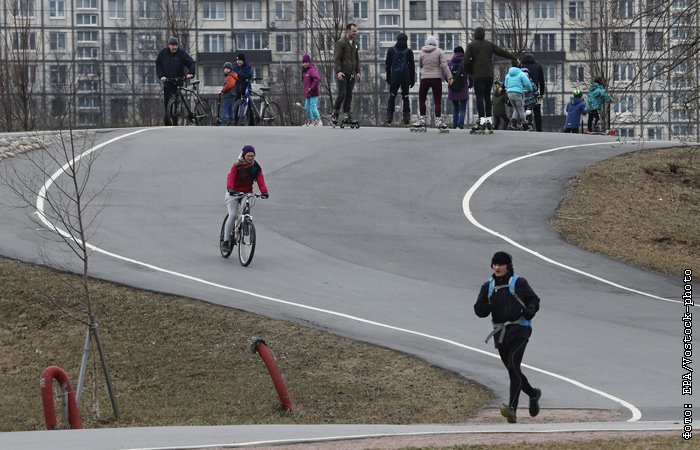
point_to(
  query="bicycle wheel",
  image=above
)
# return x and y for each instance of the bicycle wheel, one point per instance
(173, 111)
(240, 113)
(246, 242)
(272, 116)
(224, 252)
(202, 113)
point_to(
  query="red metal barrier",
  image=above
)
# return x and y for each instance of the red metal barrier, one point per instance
(258, 346)
(46, 383)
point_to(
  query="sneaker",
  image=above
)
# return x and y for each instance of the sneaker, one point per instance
(334, 118)
(227, 246)
(317, 122)
(307, 124)
(535, 403)
(509, 413)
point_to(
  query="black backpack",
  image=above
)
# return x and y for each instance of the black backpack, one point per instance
(458, 78)
(399, 63)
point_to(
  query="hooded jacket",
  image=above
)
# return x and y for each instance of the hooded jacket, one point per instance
(401, 46)
(478, 55)
(574, 109)
(229, 83)
(463, 94)
(517, 82)
(596, 96)
(536, 72)
(499, 102)
(311, 81)
(432, 61)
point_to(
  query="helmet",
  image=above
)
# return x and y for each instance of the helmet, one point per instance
(228, 65)
(577, 93)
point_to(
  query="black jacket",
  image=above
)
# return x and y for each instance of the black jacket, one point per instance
(410, 61)
(536, 71)
(173, 65)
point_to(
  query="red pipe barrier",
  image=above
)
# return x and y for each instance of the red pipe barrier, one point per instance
(46, 383)
(258, 346)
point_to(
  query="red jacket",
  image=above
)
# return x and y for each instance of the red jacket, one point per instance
(229, 84)
(241, 177)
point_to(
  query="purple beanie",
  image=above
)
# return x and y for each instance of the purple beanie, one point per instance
(247, 149)
(306, 58)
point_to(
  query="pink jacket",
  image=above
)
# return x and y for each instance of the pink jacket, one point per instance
(431, 60)
(311, 81)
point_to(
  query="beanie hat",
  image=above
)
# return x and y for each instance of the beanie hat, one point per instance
(458, 49)
(306, 58)
(228, 65)
(247, 149)
(173, 41)
(240, 56)
(501, 258)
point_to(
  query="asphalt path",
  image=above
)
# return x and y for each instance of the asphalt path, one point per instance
(385, 236)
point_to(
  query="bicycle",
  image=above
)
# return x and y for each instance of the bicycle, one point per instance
(246, 112)
(187, 104)
(243, 232)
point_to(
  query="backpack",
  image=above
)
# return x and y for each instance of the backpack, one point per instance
(458, 78)
(399, 64)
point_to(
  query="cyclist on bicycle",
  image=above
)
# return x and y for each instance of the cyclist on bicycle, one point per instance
(240, 180)
(244, 72)
(171, 63)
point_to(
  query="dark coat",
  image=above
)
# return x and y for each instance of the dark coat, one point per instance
(245, 73)
(347, 56)
(479, 53)
(410, 61)
(462, 94)
(173, 65)
(536, 72)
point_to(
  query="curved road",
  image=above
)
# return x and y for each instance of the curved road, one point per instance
(385, 236)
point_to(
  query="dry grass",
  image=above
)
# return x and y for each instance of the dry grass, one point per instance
(643, 208)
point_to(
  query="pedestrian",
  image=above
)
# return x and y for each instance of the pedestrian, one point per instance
(597, 96)
(516, 83)
(458, 91)
(574, 109)
(311, 81)
(512, 304)
(400, 73)
(227, 95)
(537, 77)
(347, 70)
(499, 102)
(173, 63)
(478, 62)
(433, 64)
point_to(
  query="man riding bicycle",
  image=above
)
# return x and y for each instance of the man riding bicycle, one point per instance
(240, 180)
(171, 63)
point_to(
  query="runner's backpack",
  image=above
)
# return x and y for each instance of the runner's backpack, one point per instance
(458, 78)
(399, 63)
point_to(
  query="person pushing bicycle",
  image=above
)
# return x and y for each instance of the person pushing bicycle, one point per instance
(171, 63)
(240, 180)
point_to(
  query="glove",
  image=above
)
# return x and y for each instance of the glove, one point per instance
(232, 193)
(388, 79)
(264, 195)
(528, 313)
(413, 83)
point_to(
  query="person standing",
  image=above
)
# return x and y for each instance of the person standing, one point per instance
(433, 64)
(597, 96)
(574, 109)
(458, 91)
(347, 70)
(512, 304)
(400, 73)
(537, 77)
(499, 102)
(516, 83)
(227, 95)
(478, 62)
(173, 62)
(311, 80)
(244, 72)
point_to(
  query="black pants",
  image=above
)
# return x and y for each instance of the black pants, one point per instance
(593, 118)
(344, 98)
(537, 111)
(571, 130)
(169, 90)
(512, 357)
(482, 90)
(394, 86)
(497, 120)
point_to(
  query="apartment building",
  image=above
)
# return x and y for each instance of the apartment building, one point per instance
(104, 50)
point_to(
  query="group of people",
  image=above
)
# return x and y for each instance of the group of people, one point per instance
(597, 97)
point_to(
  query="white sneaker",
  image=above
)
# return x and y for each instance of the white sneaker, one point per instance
(318, 122)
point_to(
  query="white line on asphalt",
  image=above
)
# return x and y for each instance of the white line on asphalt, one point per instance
(636, 414)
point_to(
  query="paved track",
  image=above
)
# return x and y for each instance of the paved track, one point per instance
(365, 234)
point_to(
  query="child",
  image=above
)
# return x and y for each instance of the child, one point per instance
(596, 97)
(574, 109)
(531, 97)
(516, 83)
(499, 102)
(228, 95)
(458, 91)
(311, 81)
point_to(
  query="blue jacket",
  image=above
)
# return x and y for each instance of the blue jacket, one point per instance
(574, 109)
(245, 73)
(596, 96)
(517, 82)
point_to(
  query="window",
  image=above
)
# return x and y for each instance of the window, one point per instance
(576, 74)
(88, 101)
(23, 8)
(655, 134)
(548, 106)
(87, 53)
(251, 41)
(625, 105)
(655, 40)
(506, 40)
(89, 118)
(573, 42)
(117, 42)
(654, 104)
(85, 4)
(478, 10)
(625, 132)
(212, 75)
(387, 37)
(118, 74)
(360, 10)
(87, 70)
(58, 74)
(507, 10)
(593, 43)
(679, 34)
(325, 9)
(148, 42)
(680, 115)
(417, 40)
(283, 43)
(250, 11)
(257, 75)
(89, 20)
(683, 129)
(392, 5)
(623, 9)
(86, 36)
(57, 9)
(214, 42)
(57, 42)
(24, 41)
(449, 10)
(88, 86)
(655, 72)
(544, 42)
(214, 10)
(550, 74)
(149, 9)
(680, 4)
(148, 74)
(181, 10)
(623, 72)
(577, 10)
(363, 41)
(283, 10)
(416, 10)
(448, 41)
(622, 41)
(544, 10)
(389, 20)
(116, 9)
